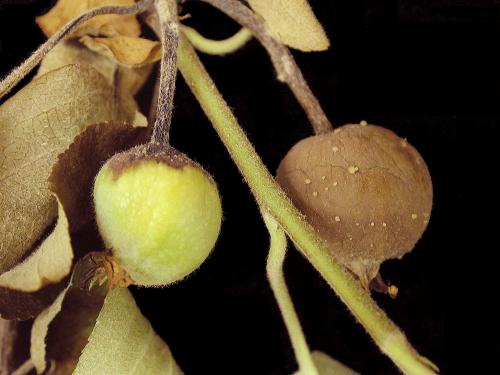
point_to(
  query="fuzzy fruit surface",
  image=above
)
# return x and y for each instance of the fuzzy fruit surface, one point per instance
(367, 191)
(160, 213)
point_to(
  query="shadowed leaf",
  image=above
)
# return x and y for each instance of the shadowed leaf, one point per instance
(49, 263)
(73, 175)
(61, 331)
(22, 306)
(86, 331)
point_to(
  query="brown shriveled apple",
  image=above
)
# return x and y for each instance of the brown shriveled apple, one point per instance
(367, 191)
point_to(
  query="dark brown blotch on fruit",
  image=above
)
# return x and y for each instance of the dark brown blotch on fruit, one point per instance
(149, 152)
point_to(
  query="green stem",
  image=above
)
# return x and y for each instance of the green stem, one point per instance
(272, 198)
(217, 47)
(274, 268)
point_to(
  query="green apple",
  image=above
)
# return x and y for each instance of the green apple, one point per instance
(159, 212)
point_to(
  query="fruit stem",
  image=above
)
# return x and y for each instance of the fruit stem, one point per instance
(169, 33)
(18, 73)
(217, 47)
(283, 61)
(272, 199)
(274, 268)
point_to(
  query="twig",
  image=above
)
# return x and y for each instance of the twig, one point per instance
(167, 17)
(27, 65)
(282, 59)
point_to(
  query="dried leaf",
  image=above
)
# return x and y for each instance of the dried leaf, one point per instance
(126, 80)
(71, 182)
(130, 80)
(39, 122)
(125, 50)
(108, 25)
(293, 22)
(326, 365)
(50, 263)
(70, 52)
(123, 342)
(61, 331)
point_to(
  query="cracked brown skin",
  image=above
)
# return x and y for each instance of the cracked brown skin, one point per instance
(367, 191)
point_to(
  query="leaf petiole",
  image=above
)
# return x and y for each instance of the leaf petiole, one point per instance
(217, 47)
(274, 268)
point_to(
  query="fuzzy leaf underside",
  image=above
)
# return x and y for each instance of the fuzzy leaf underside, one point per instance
(36, 125)
(123, 342)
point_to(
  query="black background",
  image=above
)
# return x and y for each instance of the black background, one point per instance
(430, 71)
